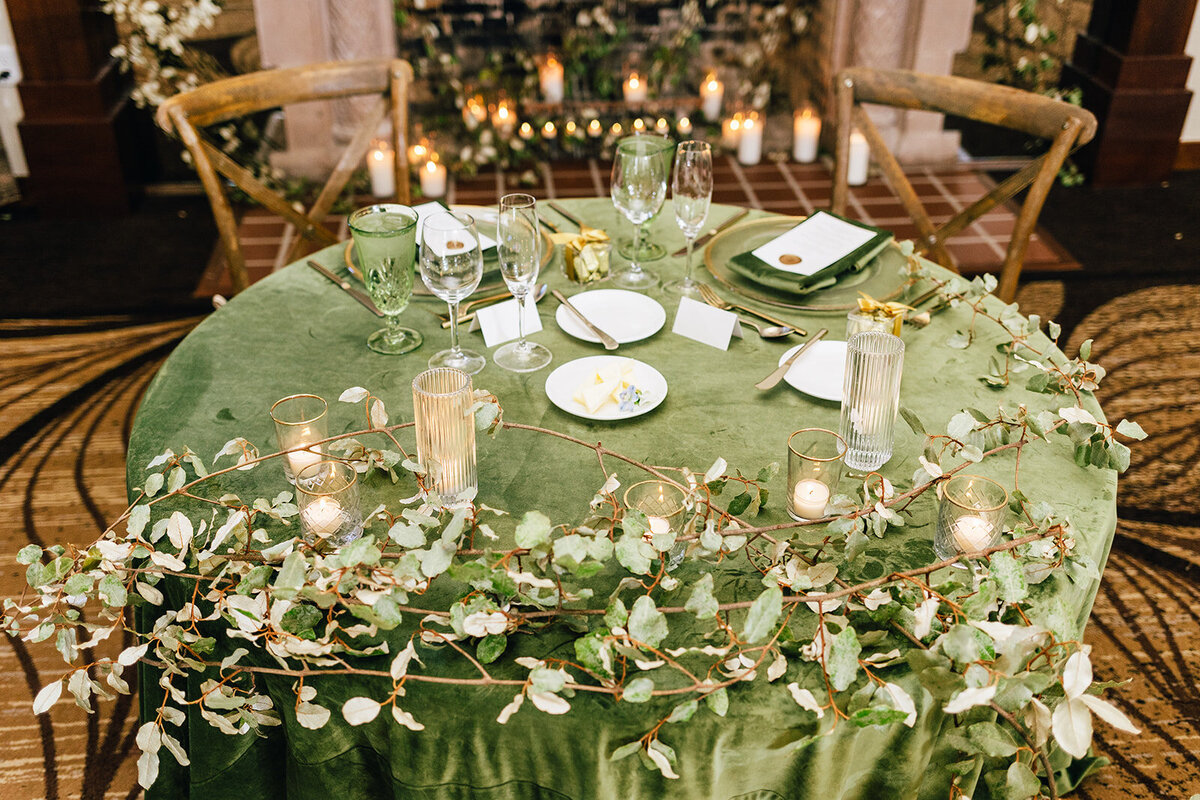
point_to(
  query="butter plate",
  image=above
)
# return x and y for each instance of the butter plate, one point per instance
(562, 383)
(625, 316)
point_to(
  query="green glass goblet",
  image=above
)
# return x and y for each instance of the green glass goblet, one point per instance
(385, 239)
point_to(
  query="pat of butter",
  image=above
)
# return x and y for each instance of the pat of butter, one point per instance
(604, 386)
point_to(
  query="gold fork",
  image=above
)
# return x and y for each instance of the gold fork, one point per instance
(715, 300)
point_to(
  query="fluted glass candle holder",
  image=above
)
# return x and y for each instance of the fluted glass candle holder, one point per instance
(327, 494)
(815, 465)
(871, 398)
(442, 400)
(970, 515)
(300, 420)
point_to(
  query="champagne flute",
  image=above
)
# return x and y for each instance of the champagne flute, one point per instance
(451, 266)
(691, 194)
(639, 186)
(519, 240)
(385, 239)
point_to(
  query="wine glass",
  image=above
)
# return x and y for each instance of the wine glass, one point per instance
(691, 194)
(517, 230)
(639, 186)
(451, 266)
(650, 251)
(385, 239)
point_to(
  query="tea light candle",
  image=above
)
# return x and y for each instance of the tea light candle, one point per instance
(971, 533)
(712, 94)
(549, 131)
(526, 131)
(731, 132)
(594, 129)
(685, 126)
(381, 166)
(662, 126)
(550, 77)
(809, 498)
(433, 179)
(635, 90)
(322, 517)
(504, 119)
(806, 134)
(860, 159)
(417, 153)
(301, 459)
(750, 143)
(570, 127)
(616, 129)
(658, 525)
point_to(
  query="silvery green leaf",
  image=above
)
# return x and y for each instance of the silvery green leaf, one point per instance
(378, 415)
(153, 596)
(715, 471)
(710, 540)
(702, 602)
(436, 559)
(646, 623)
(960, 644)
(176, 480)
(291, 575)
(147, 767)
(970, 698)
(805, 699)
(634, 554)
(1072, 726)
(992, 740)
(312, 716)
(549, 703)
(1077, 674)
(763, 615)
(154, 483)
(47, 697)
(570, 551)
(661, 761)
(718, 701)
(683, 712)
(638, 690)
(1020, 781)
(360, 710)
(843, 658)
(972, 453)
(626, 750)
(112, 591)
(777, 668)
(616, 616)
(533, 530)
(176, 749)
(599, 548)
(960, 425)
(406, 719)
(139, 516)
(1109, 713)
(902, 701)
(821, 573)
(958, 340)
(405, 535)
(29, 554)
(355, 394)
(1009, 579)
(510, 709)
(160, 459)
(1131, 429)
(131, 655)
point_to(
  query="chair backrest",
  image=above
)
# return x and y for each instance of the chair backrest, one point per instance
(1064, 125)
(186, 115)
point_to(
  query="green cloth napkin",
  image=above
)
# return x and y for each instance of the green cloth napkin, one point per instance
(755, 269)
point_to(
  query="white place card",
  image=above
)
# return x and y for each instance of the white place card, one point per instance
(433, 208)
(705, 324)
(814, 244)
(499, 322)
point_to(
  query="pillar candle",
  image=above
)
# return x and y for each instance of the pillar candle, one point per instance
(750, 144)
(381, 166)
(806, 134)
(809, 498)
(731, 132)
(433, 179)
(550, 76)
(635, 89)
(322, 517)
(712, 94)
(860, 159)
(971, 533)
(301, 459)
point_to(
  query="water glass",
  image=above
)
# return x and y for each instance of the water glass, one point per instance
(639, 186)
(691, 194)
(518, 245)
(648, 250)
(445, 427)
(327, 494)
(385, 239)
(299, 421)
(970, 515)
(452, 266)
(815, 465)
(871, 398)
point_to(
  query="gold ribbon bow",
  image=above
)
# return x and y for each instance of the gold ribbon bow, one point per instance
(883, 311)
(585, 253)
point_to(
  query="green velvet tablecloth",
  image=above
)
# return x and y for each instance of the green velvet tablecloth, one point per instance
(296, 332)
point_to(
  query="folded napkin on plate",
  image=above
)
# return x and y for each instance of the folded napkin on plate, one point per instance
(751, 266)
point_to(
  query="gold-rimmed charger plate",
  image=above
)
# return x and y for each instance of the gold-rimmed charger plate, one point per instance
(883, 278)
(485, 222)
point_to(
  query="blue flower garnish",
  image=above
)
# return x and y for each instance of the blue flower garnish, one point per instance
(629, 397)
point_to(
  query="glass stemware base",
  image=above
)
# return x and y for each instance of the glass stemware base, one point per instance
(649, 251)
(522, 356)
(467, 361)
(684, 287)
(394, 341)
(636, 279)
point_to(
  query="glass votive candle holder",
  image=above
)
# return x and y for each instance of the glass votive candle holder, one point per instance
(970, 515)
(445, 427)
(661, 501)
(815, 465)
(327, 494)
(860, 321)
(871, 398)
(299, 420)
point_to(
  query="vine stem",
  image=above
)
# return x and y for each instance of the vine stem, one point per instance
(1041, 752)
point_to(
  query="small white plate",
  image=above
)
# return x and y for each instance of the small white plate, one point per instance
(562, 383)
(625, 316)
(820, 371)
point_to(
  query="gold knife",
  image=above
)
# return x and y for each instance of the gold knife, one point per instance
(578, 223)
(704, 239)
(360, 296)
(609, 342)
(776, 376)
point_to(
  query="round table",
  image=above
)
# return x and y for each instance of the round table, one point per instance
(296, 332)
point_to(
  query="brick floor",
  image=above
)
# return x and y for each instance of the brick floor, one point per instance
(784, 188)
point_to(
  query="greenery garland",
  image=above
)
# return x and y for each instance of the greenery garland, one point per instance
(974, 644)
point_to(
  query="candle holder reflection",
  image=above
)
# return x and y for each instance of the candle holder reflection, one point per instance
(970, 515)
(300, 420)
(327, 494)
(815, 465)
(445, 427)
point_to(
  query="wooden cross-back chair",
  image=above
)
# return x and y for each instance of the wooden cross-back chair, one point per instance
(186, 115)
(1065, 126)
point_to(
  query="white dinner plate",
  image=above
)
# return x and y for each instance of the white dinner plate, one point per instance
(625, 316)
(562, 383)
(820, 371)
